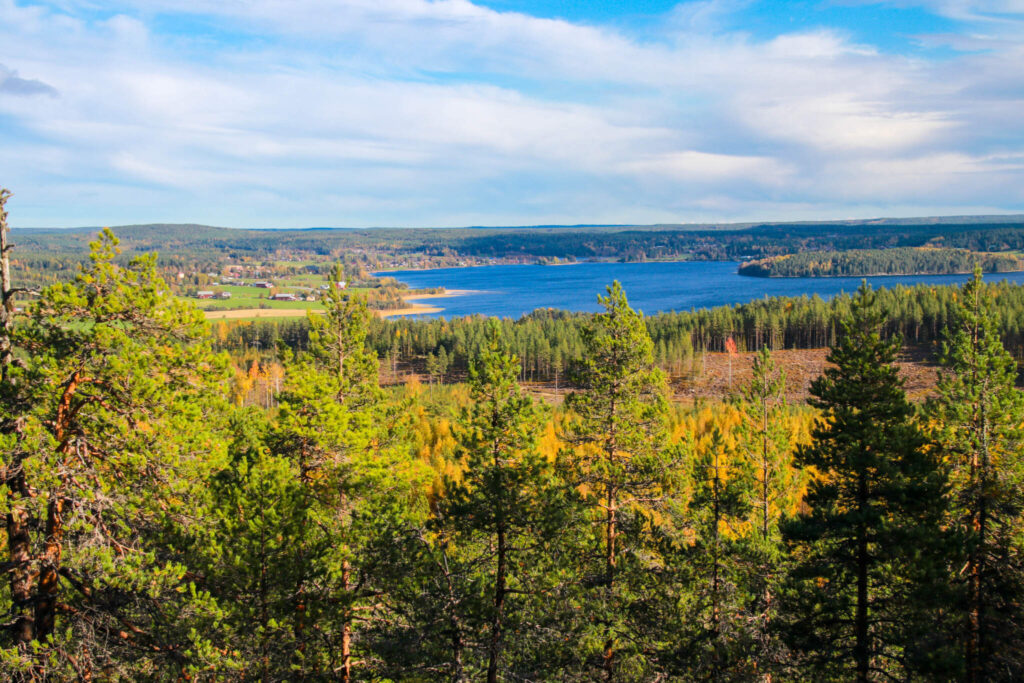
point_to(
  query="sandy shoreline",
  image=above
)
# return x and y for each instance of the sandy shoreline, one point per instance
(441, 295)
(414, 309)
(246, 313)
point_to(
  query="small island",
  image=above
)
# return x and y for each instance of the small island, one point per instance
(871, 262)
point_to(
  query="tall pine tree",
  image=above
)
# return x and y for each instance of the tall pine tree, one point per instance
(978, 420)
(507, 503)
(337, 428)
(866, 549)
(767, 443)
(109, 438)
(617, 431)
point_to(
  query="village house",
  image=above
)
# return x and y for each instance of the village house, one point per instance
(204, 295)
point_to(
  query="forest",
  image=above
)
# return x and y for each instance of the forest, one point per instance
(54, 254)
(158, 526)
(546, 342)
(895, 261)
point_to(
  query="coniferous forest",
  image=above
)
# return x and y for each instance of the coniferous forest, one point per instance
(157, 527)
(895, 261)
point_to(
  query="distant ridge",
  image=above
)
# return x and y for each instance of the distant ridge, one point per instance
(996, 219)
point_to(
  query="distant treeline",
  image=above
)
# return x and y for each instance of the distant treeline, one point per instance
(546, 341)
(188, 245)
(864, 262)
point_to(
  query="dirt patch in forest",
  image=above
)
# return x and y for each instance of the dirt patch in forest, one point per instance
(720, 376)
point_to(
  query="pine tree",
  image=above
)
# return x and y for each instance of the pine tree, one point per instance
(501, 498)
(336, 428)
(977, 420)
(617, 430)
(113, 413)
(767, 445)
(866, 550)
(246, 557)
(505, 510)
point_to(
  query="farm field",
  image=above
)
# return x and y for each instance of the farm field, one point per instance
(248, 302)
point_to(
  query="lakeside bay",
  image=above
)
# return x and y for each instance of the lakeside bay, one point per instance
(514, 290)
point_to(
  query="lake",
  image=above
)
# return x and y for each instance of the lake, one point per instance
(514, 290)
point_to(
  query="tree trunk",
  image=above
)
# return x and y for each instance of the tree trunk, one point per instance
(458, 673)
(346, 628)
(53, 545)
(979, 484)
(610, 561)
(6, 290)
(861, 648)
(497, 621)
(611, 520)
(765, 467)
(18, 543)
(499, 609)
(18, 539)
(49, 583)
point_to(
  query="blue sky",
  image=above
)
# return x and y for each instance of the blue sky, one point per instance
(294, 113)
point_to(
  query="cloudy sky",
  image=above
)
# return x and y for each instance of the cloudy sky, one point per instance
(295, 113)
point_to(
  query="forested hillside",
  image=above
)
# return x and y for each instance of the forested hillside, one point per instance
(158, 525)
(204, 247)
(865, 262)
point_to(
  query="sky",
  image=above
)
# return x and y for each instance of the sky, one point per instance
(360, 113)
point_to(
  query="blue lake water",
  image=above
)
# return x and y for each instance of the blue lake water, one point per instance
(512, 291)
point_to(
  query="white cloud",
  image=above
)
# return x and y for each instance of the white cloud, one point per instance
(701, 167)
(415, 112)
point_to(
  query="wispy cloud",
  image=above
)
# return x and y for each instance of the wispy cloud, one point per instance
(408, 112)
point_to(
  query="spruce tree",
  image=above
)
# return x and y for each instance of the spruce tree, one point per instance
(866, 548)
(977, 420)
(617, 432)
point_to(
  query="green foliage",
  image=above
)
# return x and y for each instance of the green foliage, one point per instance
(491, 551)
(977, 421)
(768, 441)
(342, 531)
(507, 509)
(768, 444)
(109, 436)
(716, 638)
(866, 551)
(862, 262)
(333, 478)
(617, 427)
